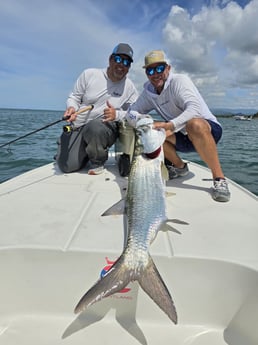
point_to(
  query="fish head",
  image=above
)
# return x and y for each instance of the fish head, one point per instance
(151, 138)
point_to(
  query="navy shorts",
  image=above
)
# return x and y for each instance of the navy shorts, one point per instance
(184, 144)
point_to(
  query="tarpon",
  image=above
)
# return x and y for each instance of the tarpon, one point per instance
(146, 215)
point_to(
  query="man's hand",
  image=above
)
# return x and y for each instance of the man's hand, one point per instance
(168, 126)
(70, 114)
(109, 113)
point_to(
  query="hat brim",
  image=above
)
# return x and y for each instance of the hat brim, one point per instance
(129, 57)
(154, 63)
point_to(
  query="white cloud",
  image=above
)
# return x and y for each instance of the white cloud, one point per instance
(45, 45)
(218, 47)
(52, 42)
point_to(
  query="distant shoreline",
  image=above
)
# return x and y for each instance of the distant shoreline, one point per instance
(234, 115)
(224, 113)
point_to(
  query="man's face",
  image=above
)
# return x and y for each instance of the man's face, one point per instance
(119, 66)
(157, 74)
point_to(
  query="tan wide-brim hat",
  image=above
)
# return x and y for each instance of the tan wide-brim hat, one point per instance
(155, 56)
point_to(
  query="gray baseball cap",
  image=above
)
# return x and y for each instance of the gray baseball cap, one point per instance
(124, 49)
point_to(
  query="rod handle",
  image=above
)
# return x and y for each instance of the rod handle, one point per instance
(89, 107)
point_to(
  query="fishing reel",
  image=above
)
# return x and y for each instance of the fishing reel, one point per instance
(68, 128)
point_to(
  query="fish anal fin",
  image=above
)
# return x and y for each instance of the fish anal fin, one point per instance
(151, 282)
(167, 227)
(114, 281)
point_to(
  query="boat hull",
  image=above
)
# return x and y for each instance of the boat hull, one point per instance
(54, 243)
(216, 302)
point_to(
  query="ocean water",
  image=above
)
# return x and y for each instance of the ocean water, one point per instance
(33, 151)
(238, 148)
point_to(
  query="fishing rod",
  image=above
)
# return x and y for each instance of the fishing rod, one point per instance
(89, 107)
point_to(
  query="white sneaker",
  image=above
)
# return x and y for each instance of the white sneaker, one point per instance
(96, 170)
(220, 190)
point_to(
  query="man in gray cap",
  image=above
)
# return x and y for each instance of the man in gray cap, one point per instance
(189, 124)
(92, 132)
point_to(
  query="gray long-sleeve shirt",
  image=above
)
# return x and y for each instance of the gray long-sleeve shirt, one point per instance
(93, 87)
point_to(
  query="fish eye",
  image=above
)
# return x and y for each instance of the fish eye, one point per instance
(145, 128)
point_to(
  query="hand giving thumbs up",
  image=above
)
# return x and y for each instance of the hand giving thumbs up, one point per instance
(109, 113)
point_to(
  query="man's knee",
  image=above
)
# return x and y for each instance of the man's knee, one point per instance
(197, 127)
(97, 128)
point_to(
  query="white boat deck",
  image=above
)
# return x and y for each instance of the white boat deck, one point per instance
(54, 244)
(45, 208)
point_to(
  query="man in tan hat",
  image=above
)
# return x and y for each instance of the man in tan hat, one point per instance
(189, 124)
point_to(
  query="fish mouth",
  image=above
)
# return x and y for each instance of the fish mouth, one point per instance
(154, 154)
(151, 139)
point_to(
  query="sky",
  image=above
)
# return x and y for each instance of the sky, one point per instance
(45, 45)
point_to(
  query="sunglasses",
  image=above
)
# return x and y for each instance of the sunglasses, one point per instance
(150, 71)
(119, 59)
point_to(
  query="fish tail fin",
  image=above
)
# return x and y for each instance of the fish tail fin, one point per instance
(114, 280)
(119, 276)
(152, 283)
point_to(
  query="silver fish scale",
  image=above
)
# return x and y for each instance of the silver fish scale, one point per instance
(146, 209)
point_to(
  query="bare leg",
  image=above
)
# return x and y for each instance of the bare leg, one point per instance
(199, 133)
(170, 152)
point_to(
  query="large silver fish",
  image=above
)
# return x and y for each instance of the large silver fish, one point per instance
(146, 212)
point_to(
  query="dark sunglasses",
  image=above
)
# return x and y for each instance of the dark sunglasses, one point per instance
(159, 69)
(119, 59)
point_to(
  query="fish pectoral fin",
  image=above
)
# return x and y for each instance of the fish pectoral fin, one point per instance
(164, 172)
(152, 283)
(116, 209)
(115, 280)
